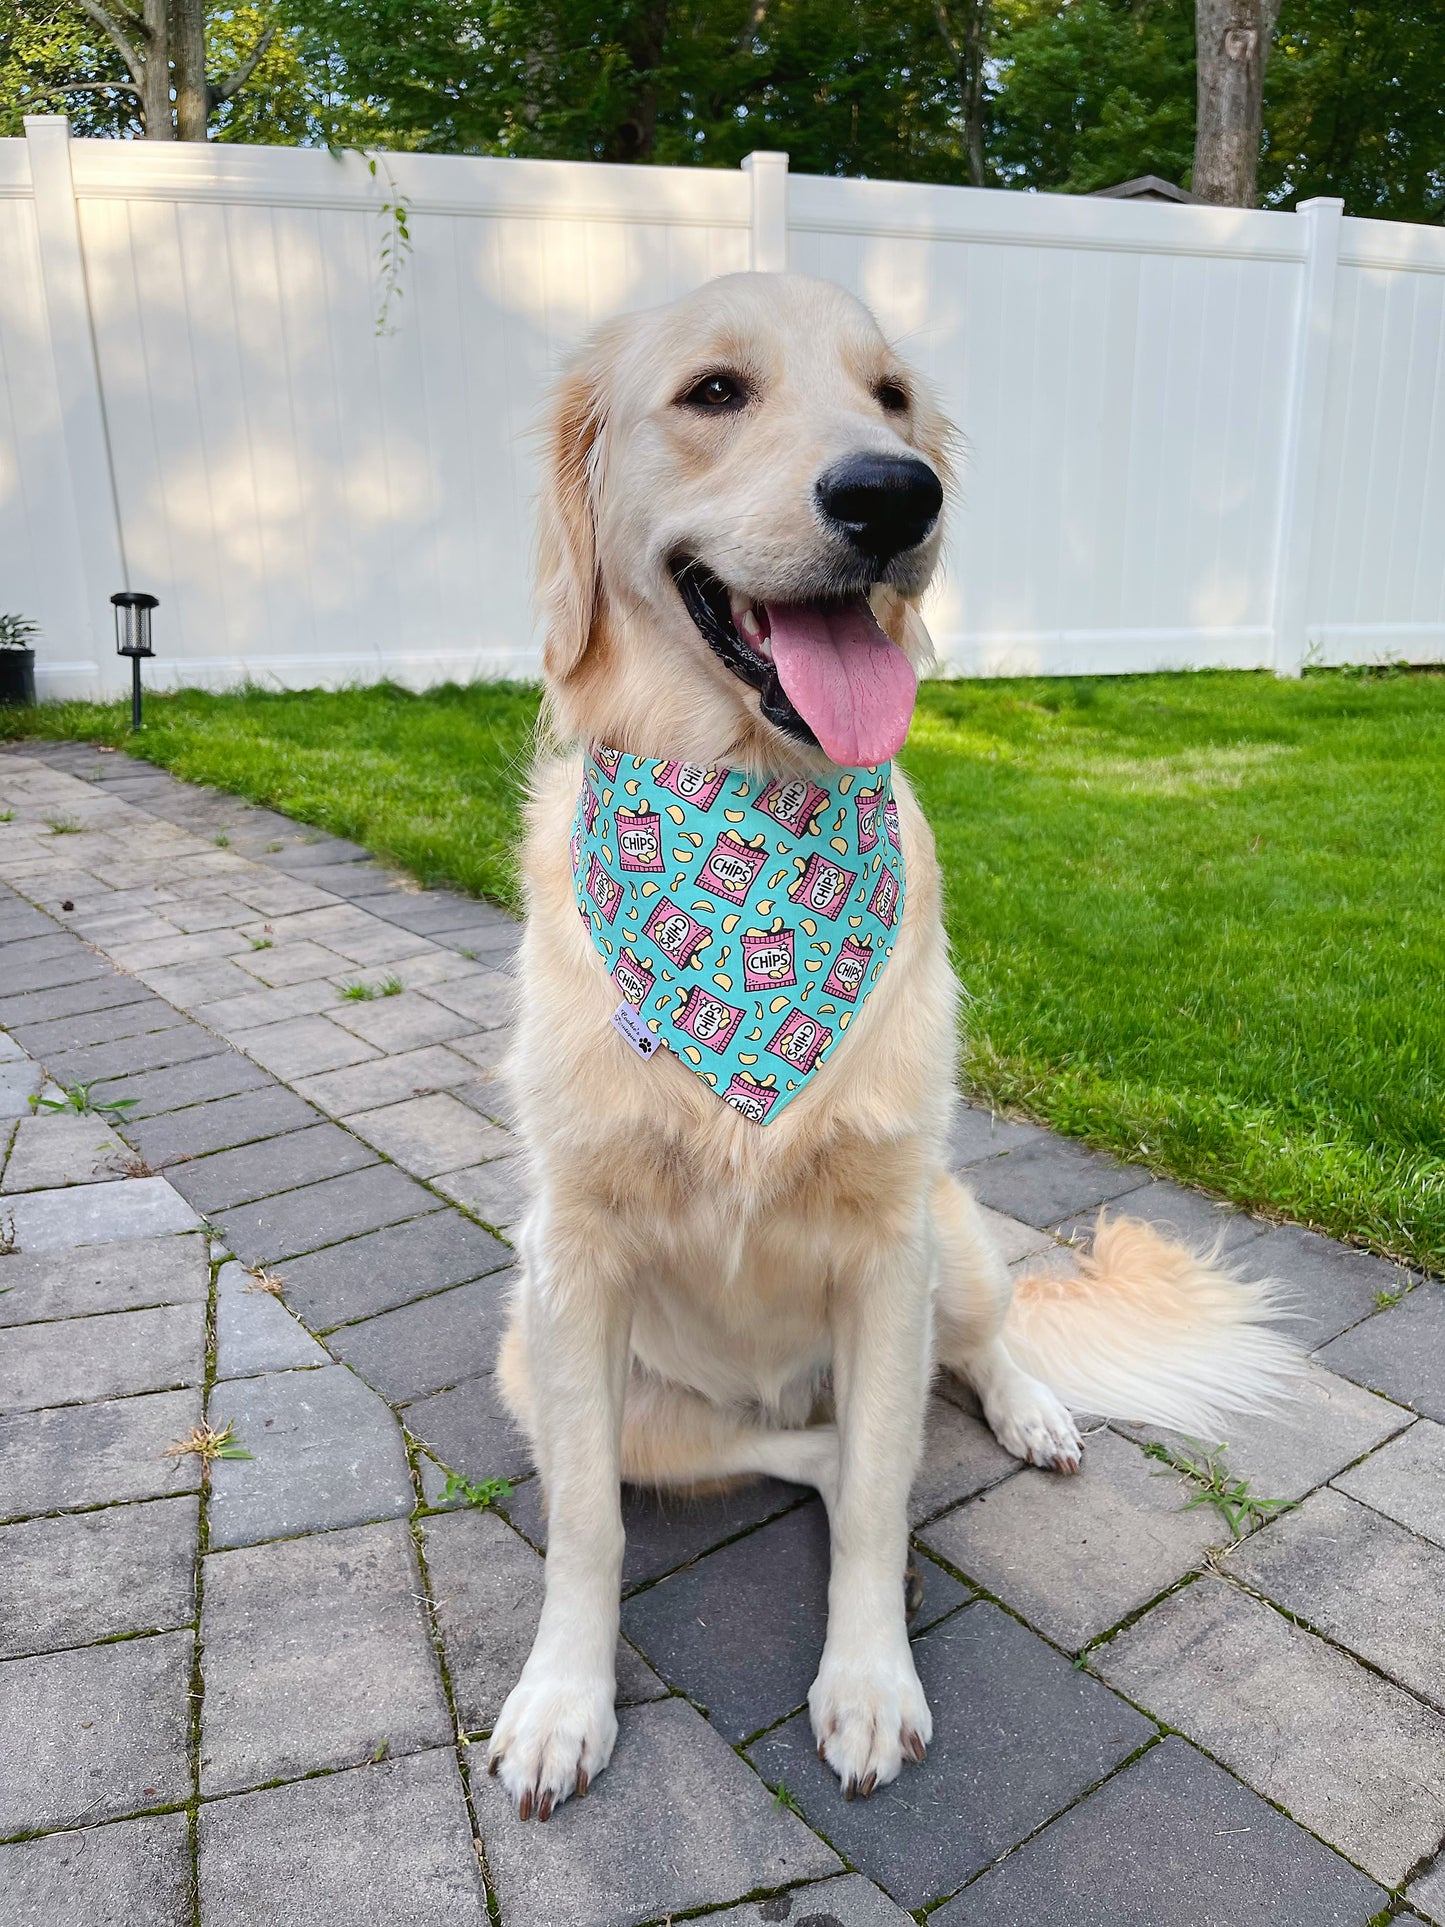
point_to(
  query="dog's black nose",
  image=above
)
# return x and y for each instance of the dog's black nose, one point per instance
(885, 503)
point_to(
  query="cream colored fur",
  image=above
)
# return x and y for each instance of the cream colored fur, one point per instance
(702, 1297)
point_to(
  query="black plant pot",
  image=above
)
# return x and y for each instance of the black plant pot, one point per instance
(17, 675)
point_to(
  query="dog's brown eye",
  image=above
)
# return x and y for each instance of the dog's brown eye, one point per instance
(715, 393)
(892, 398)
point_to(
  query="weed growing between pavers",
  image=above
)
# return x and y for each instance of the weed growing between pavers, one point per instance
(263, 1280)
(207, 1443)
(480, 1493)
(1229, 1496)
(77, 1098)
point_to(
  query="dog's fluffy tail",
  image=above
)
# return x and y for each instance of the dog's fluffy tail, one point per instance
(1145, 1329)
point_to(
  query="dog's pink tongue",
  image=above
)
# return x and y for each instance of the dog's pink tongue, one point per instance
(853, 687)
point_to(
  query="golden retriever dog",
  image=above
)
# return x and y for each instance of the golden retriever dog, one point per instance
(741, 506)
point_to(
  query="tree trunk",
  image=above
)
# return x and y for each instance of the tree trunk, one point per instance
(155, 78)
(965, 33)
(1233, 42)
(634, 137)
(188, 58)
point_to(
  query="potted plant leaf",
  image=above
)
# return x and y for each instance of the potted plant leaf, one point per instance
(17, 660)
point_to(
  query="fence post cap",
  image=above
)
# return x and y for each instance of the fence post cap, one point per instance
(763, 157)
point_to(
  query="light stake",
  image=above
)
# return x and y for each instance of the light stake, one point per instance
(133, 638)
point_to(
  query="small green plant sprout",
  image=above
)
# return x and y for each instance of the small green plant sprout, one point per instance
(77, 1098)
(482, 1493)
(381, 1752)
(1230, 1497)
(784, 1800)
(360, 992)
(62, 825)
(7, 816)
(391, 986)
(272, 848)
(208, 1443)
(266, 938)
(264, 1280)
(1384, 1299)
(16, 632)
(470, 955)
(222, 840)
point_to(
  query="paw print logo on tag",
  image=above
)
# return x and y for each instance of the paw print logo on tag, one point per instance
(768, 958)
(793, 802)
(884, 900)
(677, 935)
(752, 1099)
(732, 867)
(633, 978)
(866, 803)
(849, 967)
(800, 1039)
(707, 1019)
(823, 886)
(639, 840)
(691, 782)
(604, 890)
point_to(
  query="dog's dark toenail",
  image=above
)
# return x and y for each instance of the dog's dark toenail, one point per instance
(583, 1782)
(493, 1764)
(524, 1806)
(544, 1812)
(868, 1784)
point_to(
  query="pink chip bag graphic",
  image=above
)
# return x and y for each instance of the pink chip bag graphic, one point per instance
(849, 967)
(884, 900)
(866, 803)
(823, 886)
(753, 1100)
(691, 782)
(604, 890)
(890, 822)
(732, 868)
(632, 978)
(590, 807)
(677, 935)
(606, 758)
(800, 1039)
(708, 1018)
(639, 840)
(793, 802)
(768, 959)
(576, 847)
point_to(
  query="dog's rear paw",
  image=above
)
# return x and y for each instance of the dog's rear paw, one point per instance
(1029, 1421)
(554, 1737)
(868, 1719)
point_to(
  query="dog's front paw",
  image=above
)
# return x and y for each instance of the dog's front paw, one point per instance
(868, 1718)
(554, 1737)
(1027, 1420)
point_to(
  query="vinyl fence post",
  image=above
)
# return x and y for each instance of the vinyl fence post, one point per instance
(768, 222)
(77, 377)
(1304, 432)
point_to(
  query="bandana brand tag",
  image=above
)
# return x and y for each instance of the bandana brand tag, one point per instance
(632, 1029)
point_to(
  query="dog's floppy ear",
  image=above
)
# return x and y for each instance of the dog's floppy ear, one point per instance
(568, 589)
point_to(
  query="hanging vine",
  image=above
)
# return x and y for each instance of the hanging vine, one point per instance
(394, 211)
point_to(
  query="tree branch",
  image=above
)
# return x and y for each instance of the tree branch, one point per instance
(93, 87)
(223, 90)
(127, 52)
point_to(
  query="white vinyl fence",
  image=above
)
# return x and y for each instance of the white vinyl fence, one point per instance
(1195, 436)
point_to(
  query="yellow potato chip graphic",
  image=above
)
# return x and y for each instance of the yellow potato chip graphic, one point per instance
(778, 1003)
(722, 980)
(677, 813)
(649, 889)
(730, 924)
(747, 1057)
(735, 816)
(633, 787)
(692, 1055)
(809, 926)
(839, 844)
(765, 907)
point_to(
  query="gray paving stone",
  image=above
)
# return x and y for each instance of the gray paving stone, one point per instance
(152, 1092)
(1051, 1179)
(20, 1080)
(408, 1022)
(432, 910)
(303, 1046)
(1326, 1425)
(17, 952)
(83, 1455)
(190, 985)
(850, 1901)
(105, 1732)
(74, 965)
(219, 1126)
(325, 1452)
(93, 1575)
(960, 1457)
(390, 1267)
(106, 1212)
(292, 963)
(146, 1013)
(389, 1843)
(318, 849)
(489, 1095)
(664, 1530)
(132, 1872)
(273, 1229)
(56, 1149)
(1172, 1838)
(470, 1430)
(1331, 1285)
(1405, 1480)
(978, 1133)
(741, 1631)
(431, 1344)
(348, 1666)
(255, 1333)
(349, 879)
(487, 1585)
(260, 1170)
(258, 1009)
(1359, 1579)
(486, 1049)
(105, 991)
(429, 1135)
(151, 1050)
(1400, 1352)
(498, 1193)
(79, 1359)
(386, 1080)
(1188, 1217)
(488, 1000)
(1427, 1894)
(173, 952)
(668, 1770)
(1018, 1733)
(1074, 1555)
(1353, 1758)
(1014, 1238)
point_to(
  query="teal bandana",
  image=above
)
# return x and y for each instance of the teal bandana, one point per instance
(743, 919)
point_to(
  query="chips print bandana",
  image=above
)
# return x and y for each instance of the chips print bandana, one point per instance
(743, 919)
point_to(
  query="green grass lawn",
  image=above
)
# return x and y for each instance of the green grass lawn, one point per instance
(1201, 918)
